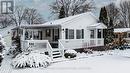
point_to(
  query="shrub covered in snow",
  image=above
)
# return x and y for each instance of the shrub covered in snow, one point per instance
(70, 54)
(31, 59)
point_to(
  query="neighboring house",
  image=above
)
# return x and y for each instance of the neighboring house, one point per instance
(74, 32)
(122, 32)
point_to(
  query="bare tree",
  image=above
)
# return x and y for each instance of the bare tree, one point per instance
(18, 15)
(32, 16)
(112, 13)
(125, 13)
(72, 7)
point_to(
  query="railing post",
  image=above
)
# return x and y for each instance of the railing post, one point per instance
(96, 41)
(62, 48)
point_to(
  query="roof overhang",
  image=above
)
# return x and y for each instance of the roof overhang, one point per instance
(121, 30)
(37, 26)
(97, 26)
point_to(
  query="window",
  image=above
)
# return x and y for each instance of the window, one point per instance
(128, 35)
(92, 35)
(80, 34)
(48, 32)
(69, 34)
(28, 35)
(33, 35)
(7, 7)
(99, 33)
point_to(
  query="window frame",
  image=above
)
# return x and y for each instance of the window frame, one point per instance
(92, 33)
(5, 4)
(80, 34)
(68, 34)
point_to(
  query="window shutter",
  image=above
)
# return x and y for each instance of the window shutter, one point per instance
(82, 33)
(66, 33)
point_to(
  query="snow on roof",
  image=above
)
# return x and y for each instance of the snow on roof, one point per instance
(98, 25)
(70, 18)
(119, 30)
(63, 21)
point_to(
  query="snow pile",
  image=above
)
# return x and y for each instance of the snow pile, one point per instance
(70, 54)
(71, 51)
(118, 52)
(2, 46)
(31, 59)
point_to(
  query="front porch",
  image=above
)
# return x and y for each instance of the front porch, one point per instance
(53, 40)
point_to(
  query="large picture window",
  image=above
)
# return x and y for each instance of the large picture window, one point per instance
(33, 35)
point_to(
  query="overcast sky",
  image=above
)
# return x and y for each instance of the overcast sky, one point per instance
(43, 5)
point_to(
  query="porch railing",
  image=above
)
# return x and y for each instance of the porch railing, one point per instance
(61, 47)
(43, 45)
(96, 42)
(81, 43)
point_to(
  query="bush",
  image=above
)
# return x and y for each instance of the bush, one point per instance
(70, 54)
(31, 59)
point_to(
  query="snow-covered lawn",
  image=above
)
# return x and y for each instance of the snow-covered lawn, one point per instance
(100, 62)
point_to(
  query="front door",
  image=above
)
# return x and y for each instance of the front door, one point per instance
(55, 38)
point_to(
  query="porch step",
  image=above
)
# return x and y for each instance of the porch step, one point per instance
(57, 56)
(56, 53)
(55, 49)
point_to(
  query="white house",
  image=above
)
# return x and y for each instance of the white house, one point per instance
(54, 37)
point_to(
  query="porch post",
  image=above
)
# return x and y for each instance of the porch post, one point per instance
(101, 33)
(102, 37)
(23, 35)
(96, 40)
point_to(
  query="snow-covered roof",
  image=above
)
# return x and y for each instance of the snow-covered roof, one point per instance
(98, 26)
(120, 30)
(66, 20)
(70, 18)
